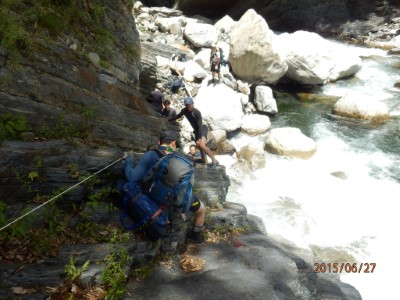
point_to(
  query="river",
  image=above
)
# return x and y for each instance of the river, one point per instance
(342, 203)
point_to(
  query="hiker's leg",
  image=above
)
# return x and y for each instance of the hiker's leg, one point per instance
(200, 215)
(202, 152)
(201, 143)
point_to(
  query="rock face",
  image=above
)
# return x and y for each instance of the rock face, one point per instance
(62, 94)
(81, 110)
(248, 266)
(321, 16)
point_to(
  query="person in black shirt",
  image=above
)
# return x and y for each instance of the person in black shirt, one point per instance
(168, 111)
(157, 98)
(193, 115)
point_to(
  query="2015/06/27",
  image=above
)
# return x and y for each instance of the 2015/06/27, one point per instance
(344, 267)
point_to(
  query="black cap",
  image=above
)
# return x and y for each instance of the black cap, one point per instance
(168, 136)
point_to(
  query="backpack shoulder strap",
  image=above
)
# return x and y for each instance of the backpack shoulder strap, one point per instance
(159, 152)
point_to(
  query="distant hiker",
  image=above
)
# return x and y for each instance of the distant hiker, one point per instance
(193, 115)
(157, 98)
(215, 62)
(179, 57)
(147, 178)
(168, 111)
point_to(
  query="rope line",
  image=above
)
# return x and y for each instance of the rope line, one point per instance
(62, 193)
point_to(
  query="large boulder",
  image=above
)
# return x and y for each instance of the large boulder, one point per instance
(264, 100)
(254, 124)
(369, 109)
(221, 107)
(200, 35)
(291, 142)
(252, 56)
(314, 60)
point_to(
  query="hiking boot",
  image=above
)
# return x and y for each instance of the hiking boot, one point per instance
(213, 165)
(196, 237)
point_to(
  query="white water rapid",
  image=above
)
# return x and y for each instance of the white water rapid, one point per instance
(353, 216)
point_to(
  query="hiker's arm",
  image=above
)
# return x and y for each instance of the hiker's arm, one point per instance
(136, 173)
(177, 116)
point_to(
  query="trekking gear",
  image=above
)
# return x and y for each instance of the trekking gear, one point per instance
(215, 59)
(167, 188)
(145, 214)
(170, 182)
(196, 236)
(175, 84)
(179, 57)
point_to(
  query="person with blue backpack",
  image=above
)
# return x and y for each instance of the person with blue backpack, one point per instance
(159, 189)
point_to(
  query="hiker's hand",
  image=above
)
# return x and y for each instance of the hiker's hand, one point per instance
(182, 217)
(128, 153)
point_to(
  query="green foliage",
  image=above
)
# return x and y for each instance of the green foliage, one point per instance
(21, 228)
(12, 126)
(59, 130)
(118, 236)
(27, 180)
(52, 22)
(74, 272)
(89, 112)
(24, 23)
(113, 275)
(226, 228)
(32, 175)
(3, 219)
(73, 170)
(101, 194)
(144, 272)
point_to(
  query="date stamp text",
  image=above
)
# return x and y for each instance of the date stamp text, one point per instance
(344, 267)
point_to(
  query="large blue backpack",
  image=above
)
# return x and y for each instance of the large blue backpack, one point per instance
(144, 214)
(170, 181)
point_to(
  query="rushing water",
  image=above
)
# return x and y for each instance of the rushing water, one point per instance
(343, 202)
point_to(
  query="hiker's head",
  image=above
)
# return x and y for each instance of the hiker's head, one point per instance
(192, 149)
(213, 46)
(167, 104)
(169, 138)
(160, 87)
(188, 102)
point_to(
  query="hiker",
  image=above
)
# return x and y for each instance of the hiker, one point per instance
(157, 98)
(196, 155)
(193, 115)
(168, 111)
(215, 63)
(137, 175)
(193, 152)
